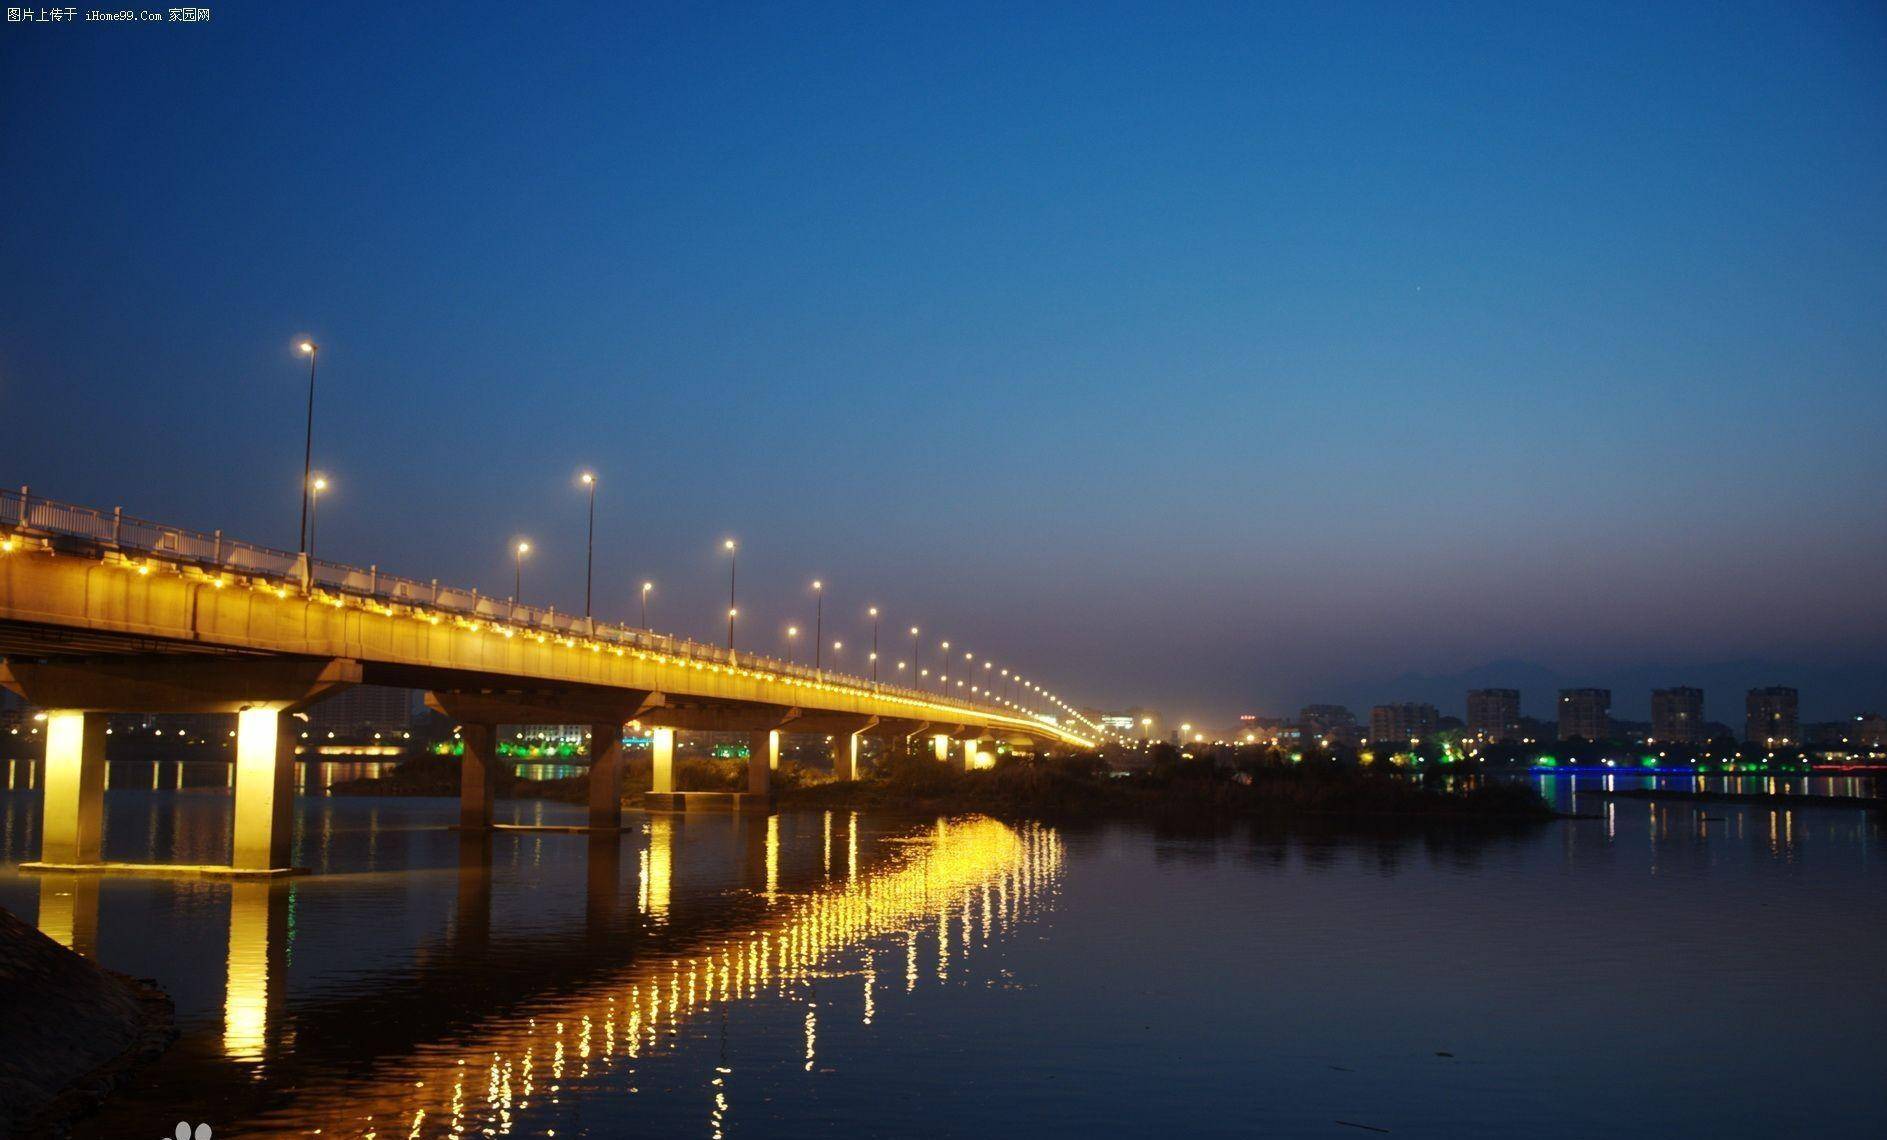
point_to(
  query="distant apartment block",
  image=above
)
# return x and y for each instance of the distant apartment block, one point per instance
(1677, 716)
(1399, 722)
(1585, 714)
(1770, 717)
(1494, 715)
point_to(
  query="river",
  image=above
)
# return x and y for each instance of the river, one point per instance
(1654, 970)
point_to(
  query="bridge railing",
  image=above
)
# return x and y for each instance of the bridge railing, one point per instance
(114, 530)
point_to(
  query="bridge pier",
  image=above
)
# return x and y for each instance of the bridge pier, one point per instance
(763, 756)
(478, 775)
(72, 820)
(263, 694)
(605, 777)
(940, 746)
(662, 761)
(265, 789)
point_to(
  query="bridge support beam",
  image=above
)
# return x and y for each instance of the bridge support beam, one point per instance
(940, 746)
(605, 777)
(73, 822)
(975, 748)
(478, 775)
(662, 761)
(845, 756)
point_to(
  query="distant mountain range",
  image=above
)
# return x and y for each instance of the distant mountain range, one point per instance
(1828, 692)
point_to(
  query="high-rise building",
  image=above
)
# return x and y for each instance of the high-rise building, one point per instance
(1585, 714)
(1677, 716)
(1770, 717)
(1494, 715)
(1393, 724)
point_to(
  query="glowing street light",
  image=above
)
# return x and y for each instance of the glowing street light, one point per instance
(818, 622)
(517, 575)
(943, 662)
(315, 486)
(792, 638)
(311, 350)
(646, 587)
(733, 561)
(588, 479)
(873, 611)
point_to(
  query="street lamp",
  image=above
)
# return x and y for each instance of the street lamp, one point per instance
(517, 575)
(943, 662)
(818, 621)
(311, 350)
(315, 486)
(646, 587)
(733, 563)
(914, 657)
(792, 634)
(873, 611)
(589, 550)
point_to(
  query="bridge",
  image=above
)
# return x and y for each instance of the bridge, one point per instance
(103, 613)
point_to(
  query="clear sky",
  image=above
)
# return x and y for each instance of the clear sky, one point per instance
(1202, 355)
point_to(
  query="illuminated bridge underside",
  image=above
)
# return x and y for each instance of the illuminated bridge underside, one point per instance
(91, 632)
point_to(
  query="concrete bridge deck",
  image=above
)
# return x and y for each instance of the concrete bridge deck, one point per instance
(102, 614)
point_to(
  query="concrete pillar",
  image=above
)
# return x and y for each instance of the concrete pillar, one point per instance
(606, 776)
(974, 750)
(845, 756)
(763, 756)
(72, 822)
(941, 746)
(969, 754)
(478, 774)
(662, 760)
(265, 789)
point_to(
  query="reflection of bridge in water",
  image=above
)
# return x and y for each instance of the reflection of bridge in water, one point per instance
(471, 1036)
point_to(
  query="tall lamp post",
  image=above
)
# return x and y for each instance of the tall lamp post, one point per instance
(517, 573)
(733, 563)
(589, 550)
(646, 587)
(309, 349)
(792, 642)
(818, 623)
(873, 611)
(943, 663)
(315, 486)
(914, 661)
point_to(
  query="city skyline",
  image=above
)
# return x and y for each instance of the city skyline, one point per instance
(1404, 405)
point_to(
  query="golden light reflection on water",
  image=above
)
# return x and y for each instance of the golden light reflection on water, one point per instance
(966, 875)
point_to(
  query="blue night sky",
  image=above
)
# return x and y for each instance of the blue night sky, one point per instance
(1211, 356)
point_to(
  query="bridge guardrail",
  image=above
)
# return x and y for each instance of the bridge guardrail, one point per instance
(23, 511)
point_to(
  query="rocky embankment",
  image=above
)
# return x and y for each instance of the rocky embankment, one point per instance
(69, 1031)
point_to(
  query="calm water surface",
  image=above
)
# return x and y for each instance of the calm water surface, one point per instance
(1659, 970)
